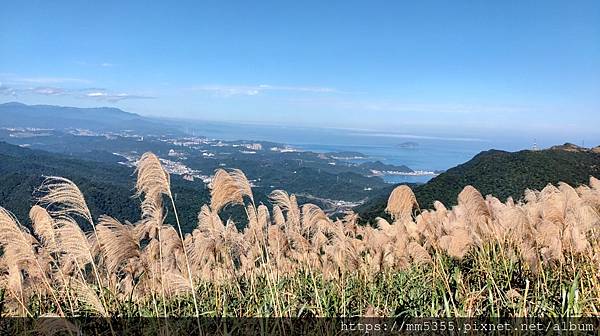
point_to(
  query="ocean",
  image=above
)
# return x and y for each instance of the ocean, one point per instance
(417, 151)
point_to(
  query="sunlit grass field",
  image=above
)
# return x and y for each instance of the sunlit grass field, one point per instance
(535, 257)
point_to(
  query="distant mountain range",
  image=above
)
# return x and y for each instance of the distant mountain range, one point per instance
(502, 174)
(60, 117)
(109, 185)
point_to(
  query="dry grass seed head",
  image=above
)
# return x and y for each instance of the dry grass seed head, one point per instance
(16, 238)
(473, 202)
(278, 217)
(152, 178)
(117, 242)
(87, 296)
(288, 204)
(229, 188)
(63, 198)
(72, 244)
(401, 202)
(43, 225)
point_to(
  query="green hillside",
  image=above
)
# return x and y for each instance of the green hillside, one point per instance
(502, 174)
(107, 187)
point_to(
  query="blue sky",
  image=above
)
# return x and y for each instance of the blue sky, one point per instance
(437, 66)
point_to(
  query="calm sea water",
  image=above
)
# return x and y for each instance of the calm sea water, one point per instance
(427, 153)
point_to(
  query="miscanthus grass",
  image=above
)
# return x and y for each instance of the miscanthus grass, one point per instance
(539, 256)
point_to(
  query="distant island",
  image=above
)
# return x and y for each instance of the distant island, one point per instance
(408, 145)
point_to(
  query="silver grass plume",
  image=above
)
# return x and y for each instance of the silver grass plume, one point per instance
(401, 203)
(229, 188)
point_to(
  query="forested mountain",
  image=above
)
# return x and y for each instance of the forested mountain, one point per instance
(107, 187)
(502, 174)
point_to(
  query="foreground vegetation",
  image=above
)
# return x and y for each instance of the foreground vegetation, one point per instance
(535, 257)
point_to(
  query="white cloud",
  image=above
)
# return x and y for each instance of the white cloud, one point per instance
(40, 90)
(49, 91)
(7, 91)
(226, 91)
(96, 94)
(315, 89)
(253, 90)
(88, 93)
(104, 95)
(49, 80)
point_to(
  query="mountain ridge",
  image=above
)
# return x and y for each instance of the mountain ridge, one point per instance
(16, 114)
(502, 174)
